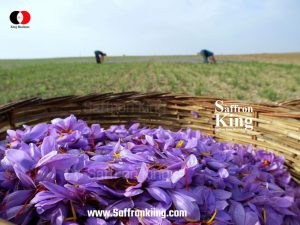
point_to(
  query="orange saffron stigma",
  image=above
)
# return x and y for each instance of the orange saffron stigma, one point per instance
(61, 150)
(157, 166)
(266, 163)
(65, 132)
(39, 189)
(92, 141)
(131, 183)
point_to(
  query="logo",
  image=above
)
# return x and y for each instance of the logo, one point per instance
(20, 18)
(230, 117)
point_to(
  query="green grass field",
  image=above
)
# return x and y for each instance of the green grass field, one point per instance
(244, 80)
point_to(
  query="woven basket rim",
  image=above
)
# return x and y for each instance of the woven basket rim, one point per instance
(276, 125)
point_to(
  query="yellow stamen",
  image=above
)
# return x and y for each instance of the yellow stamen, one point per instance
(91, 153)
(180, 143)
(264, 215)
(117, 155)
(61, 151)
(160, 166)
(74, 217)
(213, 217)
(205, 153)
(130, 183)
(141, 216)
(191, 220)
(157, 166)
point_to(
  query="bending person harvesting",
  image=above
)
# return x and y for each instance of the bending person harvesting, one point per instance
(208, 56)
(99, 56)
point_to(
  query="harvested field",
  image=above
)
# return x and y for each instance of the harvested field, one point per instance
(244, 77)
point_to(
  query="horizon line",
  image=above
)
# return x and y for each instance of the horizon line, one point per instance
(164, 55)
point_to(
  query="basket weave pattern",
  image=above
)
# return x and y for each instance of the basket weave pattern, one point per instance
(276, 127)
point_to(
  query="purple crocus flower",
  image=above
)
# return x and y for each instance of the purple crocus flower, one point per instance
(54, 173)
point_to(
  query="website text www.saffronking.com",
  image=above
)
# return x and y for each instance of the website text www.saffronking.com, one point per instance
(139, 213)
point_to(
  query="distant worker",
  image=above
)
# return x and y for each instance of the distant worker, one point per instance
(99, 56)
(208, 56)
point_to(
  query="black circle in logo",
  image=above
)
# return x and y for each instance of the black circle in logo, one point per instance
(14, 17)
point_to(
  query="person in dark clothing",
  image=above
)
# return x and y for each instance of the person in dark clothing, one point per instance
(208, 56)
(99, 56)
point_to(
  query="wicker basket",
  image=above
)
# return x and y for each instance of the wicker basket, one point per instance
(276, 127)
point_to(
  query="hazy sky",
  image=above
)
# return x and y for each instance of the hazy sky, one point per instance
(61, 28)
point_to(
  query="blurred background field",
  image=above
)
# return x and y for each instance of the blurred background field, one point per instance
(259, 78)
(288, 58)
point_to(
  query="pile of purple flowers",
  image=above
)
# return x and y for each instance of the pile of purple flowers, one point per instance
(53, 173)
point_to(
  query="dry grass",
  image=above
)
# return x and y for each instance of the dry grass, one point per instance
(289, 58)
